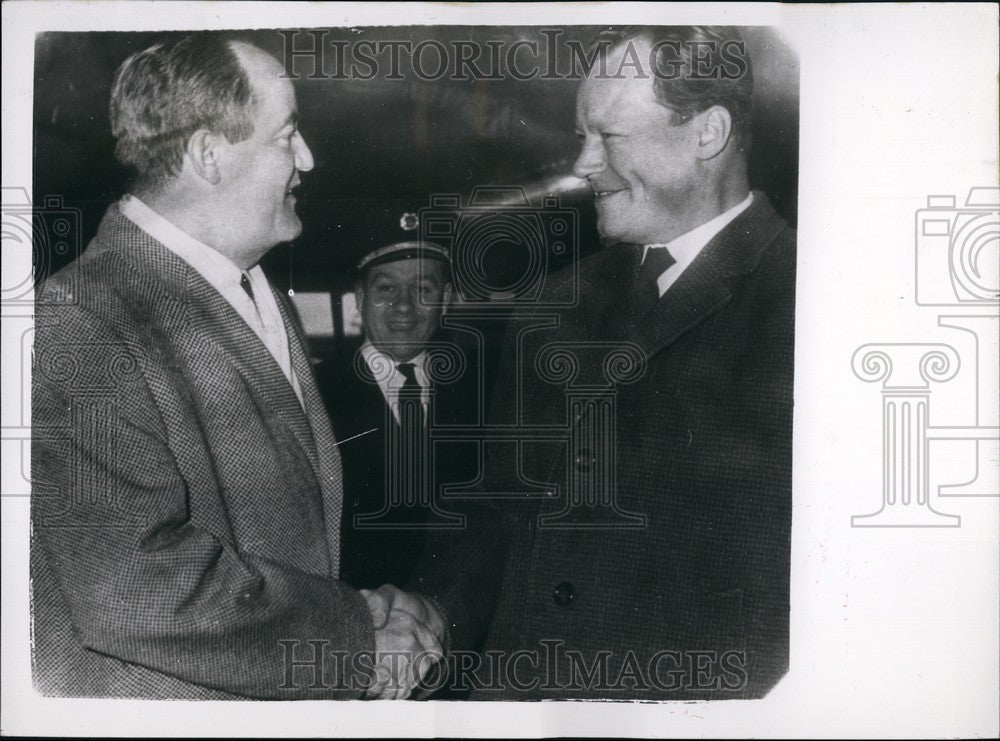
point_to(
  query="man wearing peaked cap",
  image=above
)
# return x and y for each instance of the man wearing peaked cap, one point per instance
(404, 250)
(384, 400)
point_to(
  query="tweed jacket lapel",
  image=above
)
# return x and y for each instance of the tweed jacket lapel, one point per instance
(325, 456)
(217, 322)
(204, 311)
(708, 283)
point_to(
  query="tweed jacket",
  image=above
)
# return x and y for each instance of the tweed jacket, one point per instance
(641, 545)
(381, 540)
(185, 506)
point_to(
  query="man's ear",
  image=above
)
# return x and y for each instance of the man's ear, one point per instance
(359, 296)
(203, 151)
(446, 294)
(716, 128)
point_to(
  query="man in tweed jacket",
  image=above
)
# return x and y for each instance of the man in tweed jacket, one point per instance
(647, 551)
(186, 483)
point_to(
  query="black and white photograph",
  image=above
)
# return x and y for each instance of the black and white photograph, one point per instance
(461, 356)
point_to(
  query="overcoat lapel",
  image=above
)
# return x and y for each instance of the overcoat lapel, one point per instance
(358, 380)
(370, 393)
(607, 309)
(708, 283)
(699, 292)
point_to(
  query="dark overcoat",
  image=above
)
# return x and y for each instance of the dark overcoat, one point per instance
(633, 537)
(393, 500)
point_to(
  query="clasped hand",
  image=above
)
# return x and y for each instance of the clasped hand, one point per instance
(409, 641)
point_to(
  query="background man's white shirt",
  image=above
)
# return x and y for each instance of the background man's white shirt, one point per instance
(390, 382)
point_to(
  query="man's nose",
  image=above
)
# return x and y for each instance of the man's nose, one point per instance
(591, 159)
(303, 155)
(403, 301)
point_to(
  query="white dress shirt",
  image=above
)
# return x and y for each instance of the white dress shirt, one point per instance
(390, 380)
(685, 248)
(260, 313)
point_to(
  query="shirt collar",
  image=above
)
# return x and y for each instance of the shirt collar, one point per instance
(375, 358)
(213, 265)
(687, 246)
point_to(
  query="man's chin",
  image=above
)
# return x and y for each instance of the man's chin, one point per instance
(610, 232)
(399, 353)
(291, 230)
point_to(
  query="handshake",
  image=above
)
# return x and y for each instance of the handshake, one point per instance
(410, 638)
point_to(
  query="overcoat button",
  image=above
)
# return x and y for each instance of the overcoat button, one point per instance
(564, 594)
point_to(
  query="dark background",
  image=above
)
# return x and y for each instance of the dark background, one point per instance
(381, 146)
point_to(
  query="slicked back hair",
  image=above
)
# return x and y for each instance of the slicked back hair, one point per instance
(687, 52)
(164, 94)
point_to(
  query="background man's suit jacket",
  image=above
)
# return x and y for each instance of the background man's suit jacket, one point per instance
(703, 447)
(185, 508)
(371, 554)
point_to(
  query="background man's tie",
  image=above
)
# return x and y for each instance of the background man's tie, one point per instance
(410, 460)
(410, 398)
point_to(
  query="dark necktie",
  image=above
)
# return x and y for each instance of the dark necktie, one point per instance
(247, 288)
(411, 407)
(658, 260)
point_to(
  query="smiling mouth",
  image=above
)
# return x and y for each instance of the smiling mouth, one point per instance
(606, 193)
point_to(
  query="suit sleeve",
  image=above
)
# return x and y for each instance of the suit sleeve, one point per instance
(141, 582)
(463, 568)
